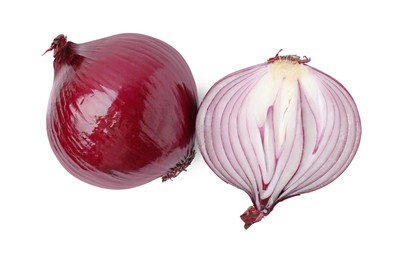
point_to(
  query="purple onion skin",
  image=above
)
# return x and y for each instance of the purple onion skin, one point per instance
(122, 110)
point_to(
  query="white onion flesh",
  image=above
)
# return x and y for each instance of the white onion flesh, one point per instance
(277, 130)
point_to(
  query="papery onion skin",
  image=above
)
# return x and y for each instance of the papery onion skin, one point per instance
(122, 110)
(277, 130)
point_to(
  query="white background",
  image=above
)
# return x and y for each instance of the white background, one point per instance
(45, 213)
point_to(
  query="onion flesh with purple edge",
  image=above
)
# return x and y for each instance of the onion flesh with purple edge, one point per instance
(122, 110)
(277, 130)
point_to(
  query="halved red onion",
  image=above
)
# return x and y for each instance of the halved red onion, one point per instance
(122, 110)
(277, 130)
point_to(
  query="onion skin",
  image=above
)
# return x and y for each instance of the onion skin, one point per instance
(122, 110)
(277, 130)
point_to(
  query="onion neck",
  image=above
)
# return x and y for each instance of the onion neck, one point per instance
(57, 45)
(289, 58)
(64, 52)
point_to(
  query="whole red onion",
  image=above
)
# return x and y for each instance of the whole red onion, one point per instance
(122, 110)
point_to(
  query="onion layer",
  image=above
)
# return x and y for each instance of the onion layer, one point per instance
(277, 130)
(122, 110)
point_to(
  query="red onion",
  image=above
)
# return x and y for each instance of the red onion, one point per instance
(122, 110)
(277, 130)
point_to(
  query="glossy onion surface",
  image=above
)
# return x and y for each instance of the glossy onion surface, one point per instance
(122, 110)
(277, 130)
